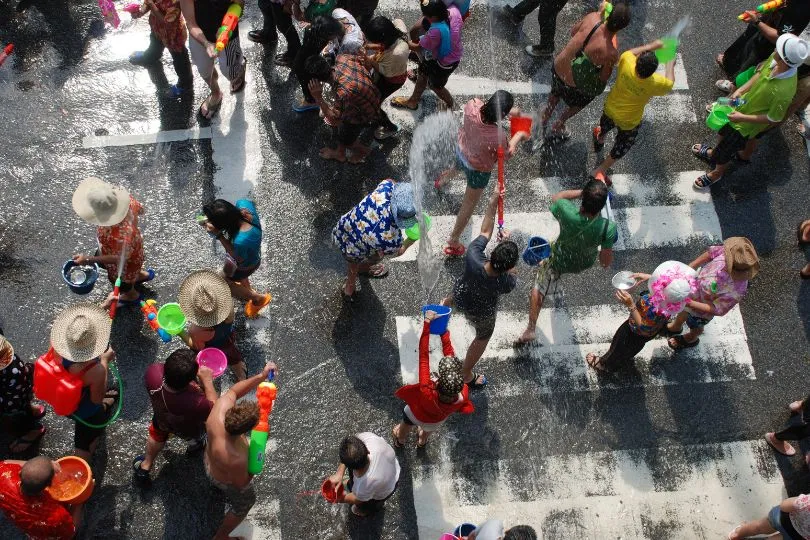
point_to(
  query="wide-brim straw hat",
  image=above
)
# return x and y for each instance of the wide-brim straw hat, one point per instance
(205, 298)
(81, 332)
(6, 352)
(100, 203)
(742, 261)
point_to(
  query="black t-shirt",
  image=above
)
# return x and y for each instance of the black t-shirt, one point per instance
(476, 292)
(209, 14)
(791, 19)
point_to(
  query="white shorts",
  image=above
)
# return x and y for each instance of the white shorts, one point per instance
(231, 61)
(424, 425)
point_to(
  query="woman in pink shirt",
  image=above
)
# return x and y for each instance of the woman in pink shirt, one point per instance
(476, 155)
(440, 52)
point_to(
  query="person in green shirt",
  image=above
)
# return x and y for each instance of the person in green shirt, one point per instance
(582, 232)
(767, 96)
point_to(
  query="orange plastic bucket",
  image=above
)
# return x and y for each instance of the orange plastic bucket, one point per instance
(520, 123)
(74, 483)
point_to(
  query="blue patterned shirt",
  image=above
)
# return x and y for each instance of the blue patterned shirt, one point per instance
(369, 227)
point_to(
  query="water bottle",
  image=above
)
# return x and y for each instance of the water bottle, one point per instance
(732, 102)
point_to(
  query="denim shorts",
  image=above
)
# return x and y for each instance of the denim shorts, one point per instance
(781, 522)
(694, 322)
(475, 179)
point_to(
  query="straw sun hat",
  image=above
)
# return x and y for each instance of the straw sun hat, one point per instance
(205, 298)
(100, 203)
(742, 261)
(6, 352)
(81, 332)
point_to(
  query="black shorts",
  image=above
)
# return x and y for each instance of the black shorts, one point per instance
(84, 436)
(348, 133)
(436, 73)
(731, 142)
(572, 96)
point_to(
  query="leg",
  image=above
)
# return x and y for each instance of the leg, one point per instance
(284, 23)
(152, 53)
(153, 448)
(351, 278)
(525, 7)
(474, 353)
(267, 34)
(182, 66)
(795, 432)
(559, 125)
(676, 326)
(468, 204)
(625, 140)
(551, 104)
(239, 371)
(752, 528)
(535, 304)
(445, 96)
(301, 73)
(547, 20)
(750, 148)
(624, 346)
(229, 523)
(243, 291)
(232, 64)
(241, 501)
(205, 68)
(418, 90)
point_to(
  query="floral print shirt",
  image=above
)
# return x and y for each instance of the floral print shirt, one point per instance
(651, 321)
(124, 235)
(172, 29)
(715, 286)
(369, 227)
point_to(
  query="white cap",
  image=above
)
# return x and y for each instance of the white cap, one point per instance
(792, 50)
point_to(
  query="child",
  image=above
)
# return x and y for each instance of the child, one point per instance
(168, 31)
(430, 402)
(115, 212)
(476, 155)
(387, 40)
(671, 285)
(16, 394)
(206, 302)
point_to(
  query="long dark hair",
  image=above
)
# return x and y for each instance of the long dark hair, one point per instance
(498, 106)
(225, 217)
(434, 8)
(382, 30)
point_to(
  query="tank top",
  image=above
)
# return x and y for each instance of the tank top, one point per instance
(86, 409)
(209, 14)
(222, 333)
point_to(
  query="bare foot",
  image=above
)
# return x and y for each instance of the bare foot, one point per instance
(735, 534)
(331, 153)
(359, 154)
(796, 406)
(423, 438)
(528, 336)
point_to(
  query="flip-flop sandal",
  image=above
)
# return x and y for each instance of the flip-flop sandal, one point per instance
(175, 91)
(396, 443)
(400, 102)
(457, 251)
(595, 363)
(725, 85)
(800, 235)
(474, 384)
(150, 275)
(212, 109)
(789, 450)
(377, 271)
(704, 182)
(28, 443)
(666, 332)
(681, 343)
(252, 309)
(40, 412)
(701, 151)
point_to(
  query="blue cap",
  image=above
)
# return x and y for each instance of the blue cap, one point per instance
(402, 205)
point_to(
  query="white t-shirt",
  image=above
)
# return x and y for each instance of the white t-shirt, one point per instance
(353, 39)
(382, 473)
(491, 529)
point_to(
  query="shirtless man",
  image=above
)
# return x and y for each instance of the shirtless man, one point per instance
(600, 57)
(226, 456)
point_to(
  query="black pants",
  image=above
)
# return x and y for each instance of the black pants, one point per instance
(546, 17)
(386, 89)
(311, 46)
(797, 432)
(371, 506)
(625, 346)
(180, 59)
(276, 18)
(748, 50)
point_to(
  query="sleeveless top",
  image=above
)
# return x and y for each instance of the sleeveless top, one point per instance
(87, 409)
(209, 14)
(222, 333)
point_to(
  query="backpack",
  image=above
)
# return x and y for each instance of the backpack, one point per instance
(56, 386)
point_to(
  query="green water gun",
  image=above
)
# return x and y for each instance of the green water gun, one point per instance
(266, 395)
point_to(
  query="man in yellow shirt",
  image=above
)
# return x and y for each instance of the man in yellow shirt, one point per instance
(636, 83)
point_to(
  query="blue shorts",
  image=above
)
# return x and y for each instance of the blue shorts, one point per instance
(781, 522)
(694, 322)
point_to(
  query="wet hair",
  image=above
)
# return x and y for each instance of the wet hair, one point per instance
(327, 28)
(242, 417)
(520, 532)
(435, 9)
(497, 107)
(450, 380)
(646, 64)
(382, 30)
(180, 369)
(504, 257)
(224, 216)
(619, 18)
(353, 453)
(318, 68)
(594, 196)
(36, 475)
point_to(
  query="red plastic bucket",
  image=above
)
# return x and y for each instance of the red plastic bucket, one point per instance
(330, 494)
(520, 123)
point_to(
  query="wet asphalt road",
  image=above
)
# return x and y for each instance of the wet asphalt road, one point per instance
(339, 364)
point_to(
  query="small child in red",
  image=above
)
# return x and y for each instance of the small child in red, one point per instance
(429, 402)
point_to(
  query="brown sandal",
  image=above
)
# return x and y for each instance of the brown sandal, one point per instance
(595, 362)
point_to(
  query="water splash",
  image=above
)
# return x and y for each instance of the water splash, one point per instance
(433, 151)
(682, 24)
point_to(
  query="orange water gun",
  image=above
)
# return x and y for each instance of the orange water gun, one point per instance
(266, 395)
(229, 22)
(767, 7)
(149, 310)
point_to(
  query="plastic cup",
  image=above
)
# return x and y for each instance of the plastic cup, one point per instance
(623, 280)
(718, 117)
(412, 232)
(438, 325)
(170, 318)
(520, 123)
(74, 484)
(213, 359)
(668, 51)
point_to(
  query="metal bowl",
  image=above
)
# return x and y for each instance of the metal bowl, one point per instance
(623, 280)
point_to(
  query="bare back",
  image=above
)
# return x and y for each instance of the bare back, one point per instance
(226, 456)
(600, 49)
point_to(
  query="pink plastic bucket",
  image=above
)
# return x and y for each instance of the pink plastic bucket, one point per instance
(213, 359)
(448, 536)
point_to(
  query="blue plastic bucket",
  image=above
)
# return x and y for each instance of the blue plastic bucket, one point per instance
(438, 325)
(537, 250)
(69, 271)
(464, 529)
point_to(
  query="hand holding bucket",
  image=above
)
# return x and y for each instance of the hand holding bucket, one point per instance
(440, 319)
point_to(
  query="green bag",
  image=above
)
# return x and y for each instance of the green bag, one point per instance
(584, 72)
(315, 9)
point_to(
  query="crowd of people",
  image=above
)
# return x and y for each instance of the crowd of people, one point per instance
(347, 62)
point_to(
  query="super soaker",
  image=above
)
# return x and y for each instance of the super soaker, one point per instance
(149, 310)
(266, 394)
(109, 13)
(767, 7)
(229, 22)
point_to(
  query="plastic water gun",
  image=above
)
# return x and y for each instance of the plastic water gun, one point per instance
(266, 394)
(149, 310)
(607, 10)
(500, 189)
(229, 22)
(5, 52)
(116, 294)
(109, 13)
(767, 7)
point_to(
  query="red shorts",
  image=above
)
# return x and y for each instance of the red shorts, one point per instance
(157, 434)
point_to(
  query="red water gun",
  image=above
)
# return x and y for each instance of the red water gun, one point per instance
(149, 310)
(767, 7)
(229, 22)
(6, 52)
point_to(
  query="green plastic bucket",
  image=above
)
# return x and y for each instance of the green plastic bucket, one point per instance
(412, 232)
(170, 317)
(718, 117)
(668, 51)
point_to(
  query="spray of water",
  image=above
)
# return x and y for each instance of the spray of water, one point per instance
(432, 151)
(682, 24)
